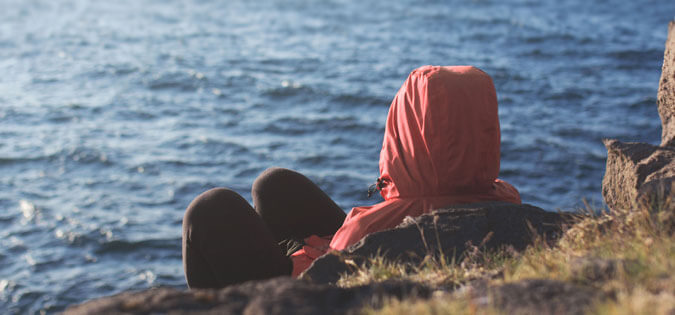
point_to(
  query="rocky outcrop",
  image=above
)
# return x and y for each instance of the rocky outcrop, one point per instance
(666, 94)
(289, 296)
(275, 296)
(450, 232)
(640, 173)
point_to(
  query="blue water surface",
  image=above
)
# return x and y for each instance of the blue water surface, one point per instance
(115, 114)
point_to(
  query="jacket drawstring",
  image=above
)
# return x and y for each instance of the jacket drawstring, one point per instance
(377, 186)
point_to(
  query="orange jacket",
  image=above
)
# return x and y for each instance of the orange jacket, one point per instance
(441, 147)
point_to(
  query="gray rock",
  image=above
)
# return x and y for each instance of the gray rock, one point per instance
(637, 173)
(275, 296)
(543, 296)
(450, 232)
(666, 94)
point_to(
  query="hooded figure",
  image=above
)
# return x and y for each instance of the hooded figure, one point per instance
(441, 147)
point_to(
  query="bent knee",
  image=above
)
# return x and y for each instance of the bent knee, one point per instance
(275, 178)
(211, 204)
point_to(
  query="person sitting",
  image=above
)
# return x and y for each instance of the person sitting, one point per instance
(441, 147)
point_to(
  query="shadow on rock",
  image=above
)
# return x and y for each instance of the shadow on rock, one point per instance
(449, 232)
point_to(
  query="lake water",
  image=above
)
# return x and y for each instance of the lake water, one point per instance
(115, 114)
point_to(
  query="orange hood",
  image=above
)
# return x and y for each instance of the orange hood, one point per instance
(441, 147)
(442, 134)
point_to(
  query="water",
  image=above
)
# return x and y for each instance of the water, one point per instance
(115, 114)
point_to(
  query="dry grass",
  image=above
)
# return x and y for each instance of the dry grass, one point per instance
(640, 243)
(439, 273)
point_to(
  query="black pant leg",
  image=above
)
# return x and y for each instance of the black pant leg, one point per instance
(226, 242)
(293, 207)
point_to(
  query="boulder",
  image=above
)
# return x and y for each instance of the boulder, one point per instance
(666, 94)
(450, 232)
(637, 173)
(281, 295)
(640, 173)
